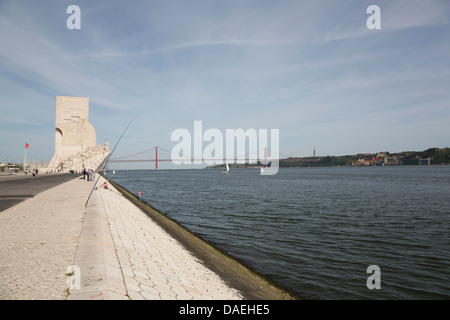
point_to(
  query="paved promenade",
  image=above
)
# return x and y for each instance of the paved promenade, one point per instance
(38, 241)
(53, 247)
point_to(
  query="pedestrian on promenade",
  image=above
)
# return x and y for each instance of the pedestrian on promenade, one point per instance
(139, 195)
(89, 175)
(34, 173)
(84, 173)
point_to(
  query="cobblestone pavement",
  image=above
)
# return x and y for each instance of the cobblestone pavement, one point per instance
(154, 265)
(121, 252)
(38, 241)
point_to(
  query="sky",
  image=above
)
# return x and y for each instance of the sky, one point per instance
(311, 69)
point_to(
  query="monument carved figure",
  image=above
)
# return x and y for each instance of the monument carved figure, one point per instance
(75, 138)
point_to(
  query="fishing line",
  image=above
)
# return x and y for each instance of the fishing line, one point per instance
(107, 160)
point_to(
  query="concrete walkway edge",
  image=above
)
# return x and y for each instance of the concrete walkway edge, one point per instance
(100, 272)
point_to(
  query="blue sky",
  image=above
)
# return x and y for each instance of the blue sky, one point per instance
(311, 69)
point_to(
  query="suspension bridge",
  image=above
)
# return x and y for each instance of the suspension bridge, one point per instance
(247, 158)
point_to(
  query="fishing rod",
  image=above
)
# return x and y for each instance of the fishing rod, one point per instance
(107, 160)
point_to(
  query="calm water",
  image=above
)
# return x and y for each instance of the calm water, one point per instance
(316, 230)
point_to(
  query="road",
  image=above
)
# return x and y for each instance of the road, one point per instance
(15, 189)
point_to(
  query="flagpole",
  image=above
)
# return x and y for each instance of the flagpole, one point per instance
(25, 160)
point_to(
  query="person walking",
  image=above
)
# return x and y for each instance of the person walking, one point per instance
(139, 195)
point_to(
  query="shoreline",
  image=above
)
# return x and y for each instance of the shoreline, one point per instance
(252, 284)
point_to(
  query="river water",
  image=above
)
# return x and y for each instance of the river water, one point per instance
(315, 231)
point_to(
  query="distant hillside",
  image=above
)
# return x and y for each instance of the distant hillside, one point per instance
(435, 155)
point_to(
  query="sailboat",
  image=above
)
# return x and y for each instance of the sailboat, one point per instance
(267, 165)
(226, 171)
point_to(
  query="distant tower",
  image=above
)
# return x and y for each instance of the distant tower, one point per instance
(314, 152)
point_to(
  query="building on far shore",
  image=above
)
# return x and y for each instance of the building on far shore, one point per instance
(75, 139)
(379, 160)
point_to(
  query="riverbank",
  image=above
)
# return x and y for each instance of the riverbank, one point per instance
(248, 282)
(53, 247)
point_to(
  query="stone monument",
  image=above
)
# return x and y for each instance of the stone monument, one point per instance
(75, 139)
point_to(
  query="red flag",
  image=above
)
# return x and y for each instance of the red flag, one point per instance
(26, 145)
